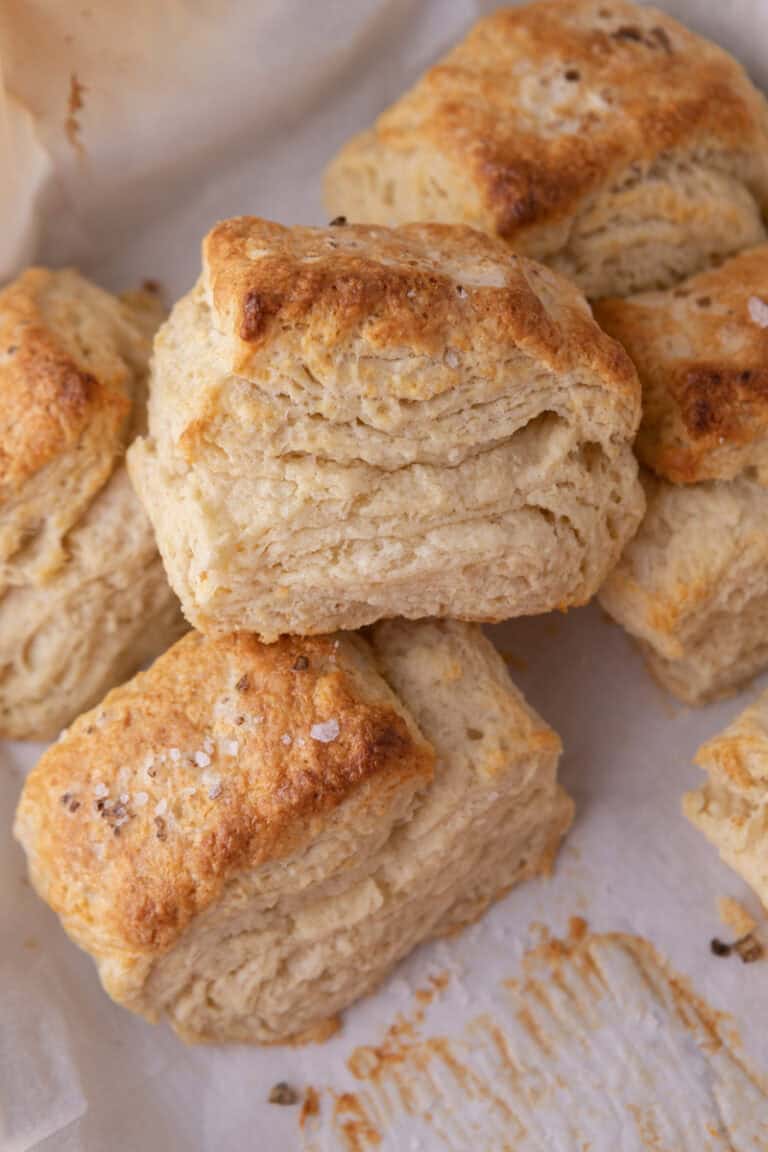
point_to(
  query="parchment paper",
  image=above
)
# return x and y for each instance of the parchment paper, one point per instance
(197, 110)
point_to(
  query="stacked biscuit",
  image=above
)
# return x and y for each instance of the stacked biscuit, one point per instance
(345, 425)
(405, 428)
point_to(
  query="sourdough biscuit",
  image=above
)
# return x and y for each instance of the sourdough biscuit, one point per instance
(354, 423)
(692, 587)
(604, 139)
(731, 808)
(246, 838)
(701, 352)
(83, 597)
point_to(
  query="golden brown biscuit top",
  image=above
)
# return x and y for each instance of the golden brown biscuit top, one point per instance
(542, 105)
(68, 355)
(701, 351)
(218, 758)
(427, 289)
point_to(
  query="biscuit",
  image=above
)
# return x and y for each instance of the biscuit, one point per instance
(83, 595)
(355, 423)
(247, 838)
(701, 351)
(692, 587)
(604, 139)
(731, 808)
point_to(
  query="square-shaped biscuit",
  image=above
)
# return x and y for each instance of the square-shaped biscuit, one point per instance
(701, 351)
(692, 586)
(247, 838)
(83, 596)
(354, 423)
(731, 808)
(603, 138)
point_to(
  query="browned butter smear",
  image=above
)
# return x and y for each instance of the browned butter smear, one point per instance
(598, 1045)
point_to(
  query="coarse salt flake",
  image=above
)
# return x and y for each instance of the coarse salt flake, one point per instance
(758, 311)
(124, 797)
(161, 807)
(208, 745)
(231, 747)
(100, 791)
(140, 799)
(174, 754)
(286, 738)
(214, 787)
(325, 732)
(202, 759)
(451, 358)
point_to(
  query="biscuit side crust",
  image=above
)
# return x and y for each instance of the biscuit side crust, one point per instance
(692, 588)
(701, 351)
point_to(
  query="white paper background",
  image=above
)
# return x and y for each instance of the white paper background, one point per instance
(195, 111)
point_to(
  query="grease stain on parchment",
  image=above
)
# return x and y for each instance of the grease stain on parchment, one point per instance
(597, 1045)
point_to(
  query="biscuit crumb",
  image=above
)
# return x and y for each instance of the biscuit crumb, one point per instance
(748, 948)
(282, 1093)
(735, 916)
